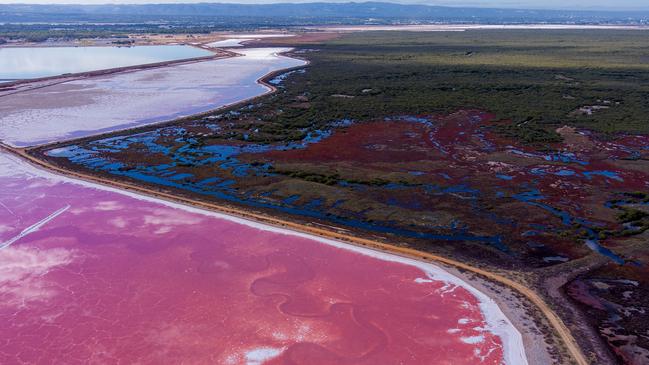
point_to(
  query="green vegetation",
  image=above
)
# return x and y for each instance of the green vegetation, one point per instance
(631, 215)
(312, 177)
(534, 80)
(44, 32)
(639, 195)
(528, 134)
(107, 28)
(329, 179)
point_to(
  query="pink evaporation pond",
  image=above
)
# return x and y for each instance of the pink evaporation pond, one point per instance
(90, 275)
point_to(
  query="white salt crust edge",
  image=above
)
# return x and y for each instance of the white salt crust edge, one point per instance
(497, 322)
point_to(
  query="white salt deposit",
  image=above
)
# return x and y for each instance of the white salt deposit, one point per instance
(237, 40)
(261, 355)
(228, 43)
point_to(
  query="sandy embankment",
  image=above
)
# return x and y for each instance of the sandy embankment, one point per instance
(514, 308)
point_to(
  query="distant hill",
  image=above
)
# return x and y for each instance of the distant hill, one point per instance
(308, 13)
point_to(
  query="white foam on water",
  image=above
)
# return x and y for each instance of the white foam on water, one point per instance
(472, 340)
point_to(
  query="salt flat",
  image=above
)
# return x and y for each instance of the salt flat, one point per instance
(238, 39)
(87, 106)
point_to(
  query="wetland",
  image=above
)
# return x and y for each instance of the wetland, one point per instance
(518, 150)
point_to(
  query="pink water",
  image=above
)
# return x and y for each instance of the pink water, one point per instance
(109, 278)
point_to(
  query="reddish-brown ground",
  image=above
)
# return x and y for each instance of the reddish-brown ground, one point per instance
(570, 186)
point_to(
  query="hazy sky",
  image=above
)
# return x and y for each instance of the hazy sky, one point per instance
(528, 4)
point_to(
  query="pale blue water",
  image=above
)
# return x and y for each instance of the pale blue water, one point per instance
(35, 62)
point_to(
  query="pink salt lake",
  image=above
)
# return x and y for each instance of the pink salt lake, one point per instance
(92, 275)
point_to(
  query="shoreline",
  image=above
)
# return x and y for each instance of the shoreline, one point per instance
(498, 322)
(537, 346)
(348, 241)
(263, 81)
(8, 88)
